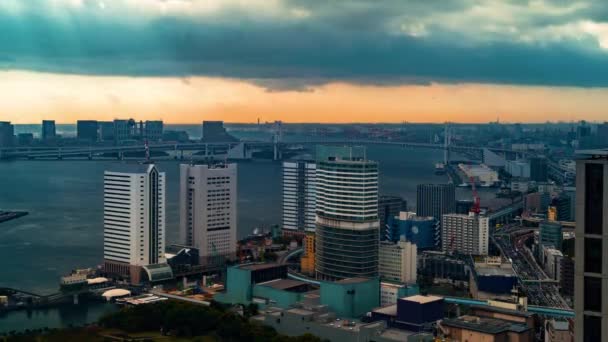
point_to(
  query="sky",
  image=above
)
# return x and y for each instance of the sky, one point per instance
(185, 61)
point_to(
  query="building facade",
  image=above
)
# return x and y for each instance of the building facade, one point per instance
(153, 130)
(389, 206)
(307, 264)
(134, 219)
(550, 235)
(467, 234)
(538, 169)
(86, 130)
(435, 200)
(299, 196)
(48, 130)
(424, 232)
(208, 210)
(347, 226)
(397, 261)
(591, 262)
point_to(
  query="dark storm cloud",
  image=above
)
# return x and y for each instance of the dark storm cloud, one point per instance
(368, 42)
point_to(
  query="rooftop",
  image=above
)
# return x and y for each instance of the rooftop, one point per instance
(257, 267)
(593, 152)
(390, 310)
(129, 168)
(353, 280)
(283, 284)
(497, 309)
(422, 299)
(484, 325)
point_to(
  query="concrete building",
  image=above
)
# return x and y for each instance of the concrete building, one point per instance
(134, 219)
(557, 331)
(445, 268)
(125, 130)
(390, 292)
(518, 168)
(106, 131)
(552, 262)
(389, 206)
(351, 297)
(550, 235)
(538, 169)
(397, 261)
(481, 174)
(591, 263)
(467, 234)
(424, 232)
(153, 130)
(435, 200)
(492, 278)
(566, 282)
(521, 185)
(208, 210)
(474, 328)
(299, 196)
(414, 313)
(48, 130)
(214, 131)
(86, 130)
(347, 214)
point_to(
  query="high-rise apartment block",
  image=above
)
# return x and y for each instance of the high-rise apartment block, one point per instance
(208, 210)
(134, 219)
(397, 261)
(299, 196)
(591, 262)
(467, 234)
(48, 130)
(347, 214)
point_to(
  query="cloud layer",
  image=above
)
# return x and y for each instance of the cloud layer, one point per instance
(298, 43)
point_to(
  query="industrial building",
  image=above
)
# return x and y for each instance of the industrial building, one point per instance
(467, 234)
(391, 291)
(299, 196)
(397, 261)
(351, 297)
(134, 219)
(474, 328)
(424, 232)
(208, 211)
(348, 230)
(480, 174)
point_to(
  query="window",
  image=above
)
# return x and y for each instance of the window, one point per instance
(593, 255)
(592, 330)
(593, 294)
(594, 198)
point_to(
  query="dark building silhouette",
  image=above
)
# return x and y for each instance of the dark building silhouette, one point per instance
(87, 130)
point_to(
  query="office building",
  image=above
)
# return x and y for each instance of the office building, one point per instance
(591, 248)
(7, 134)
(538, 169)
(86, 130)
(153, 131)
(208, 210)
(347, 214)
(492, 278)
(106, 131)
(562, 205)
(467, 234)
(134, 219)
(214, 131)
(48, 130)
(25, 139)
(550, 235)
(397, 261)
(299, 196)
(551, 261)
(602, 134)
(424, 232)
(125, 130)
(391, 291)
(389, 206)
(435, 200)
(463, 207)
(566, 273)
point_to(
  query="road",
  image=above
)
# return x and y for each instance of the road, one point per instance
(539, 288)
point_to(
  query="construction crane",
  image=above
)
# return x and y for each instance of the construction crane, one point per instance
(476, 201)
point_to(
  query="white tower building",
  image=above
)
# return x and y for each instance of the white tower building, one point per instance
(134, 219)
(299, 196)
(208, 210)
(468, 234)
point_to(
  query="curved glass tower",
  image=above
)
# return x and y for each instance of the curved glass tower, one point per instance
(347, 214)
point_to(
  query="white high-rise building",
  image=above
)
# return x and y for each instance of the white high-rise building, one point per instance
(299, 196)
(134, 219)
(397, 261)
(468, 234)
(208, 210)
